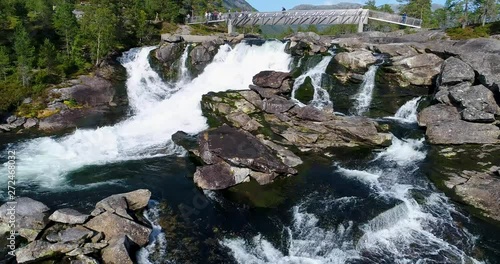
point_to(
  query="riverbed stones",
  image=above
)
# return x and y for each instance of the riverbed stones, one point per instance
(119, 203)
(419, 70)
(39, 250)
(68, 216)
(113, 226)
(75, 234)
(478, 102)
(30, 216)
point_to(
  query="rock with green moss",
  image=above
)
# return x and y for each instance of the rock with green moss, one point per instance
(305, 92)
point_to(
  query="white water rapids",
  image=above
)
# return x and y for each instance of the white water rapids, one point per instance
(159, 110)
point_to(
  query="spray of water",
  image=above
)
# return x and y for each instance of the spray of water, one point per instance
(159, 110)
(408, 112)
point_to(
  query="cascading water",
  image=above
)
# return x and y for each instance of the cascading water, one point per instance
(411, 231)
(408, 112)
(183, 69)
(159, 111)
(156, 250)
(364, 96)
(321, 97)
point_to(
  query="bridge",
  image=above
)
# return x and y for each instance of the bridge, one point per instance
(358, 17)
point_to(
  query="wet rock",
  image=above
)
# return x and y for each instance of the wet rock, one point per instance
(11, 119)
(478, 102)
(277, 105)
(39, 250)
(135, 200)
(201, 55)
(219, 176)
(114, 226)
(118, 251)
(68, 216)
(30, 123)
(456, 71)
(288, 157)
(462, 132)
(168, 53)
(92, 91)
(240, 149)
(18, 122)
(264, 92)
(273, 79)
(75, 235)
(30, 215)
(438, 113)
(478, 189)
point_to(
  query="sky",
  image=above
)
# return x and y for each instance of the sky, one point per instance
(275, 5)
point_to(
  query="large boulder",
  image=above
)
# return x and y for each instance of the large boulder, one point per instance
(119, 203)
(273, 79)
(118, 251)
(455, 71)
(90, 91)
(356, 61)
(201, 55)
(114, 226)
(396, 49)
(478, 102)
(462, 132)
(437, 113)
(419, 70)
(302, 43)
(30, 217)
(68, 216)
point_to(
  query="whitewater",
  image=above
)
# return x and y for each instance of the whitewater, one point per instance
(159, 109)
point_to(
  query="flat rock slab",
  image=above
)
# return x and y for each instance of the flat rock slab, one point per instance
(462, 132)
(38, 250)
(68, 216)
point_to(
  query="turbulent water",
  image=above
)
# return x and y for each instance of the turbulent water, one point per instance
(378, 209)
(364, 97)
(159, 110)
(321, 97)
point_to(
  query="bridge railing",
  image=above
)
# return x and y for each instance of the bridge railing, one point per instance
(395, 18)
(202, 19)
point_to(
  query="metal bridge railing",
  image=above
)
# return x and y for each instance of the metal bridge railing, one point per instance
(400, 19)
(202, 19)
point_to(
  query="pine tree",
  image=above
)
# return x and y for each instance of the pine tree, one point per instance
(24, 54)
(4, 62)
(65, 24)
(47, 56)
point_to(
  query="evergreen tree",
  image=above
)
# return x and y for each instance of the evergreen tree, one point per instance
(65, 24)
(98, 26)
(24, 54)
(4, 62)
(47, 56)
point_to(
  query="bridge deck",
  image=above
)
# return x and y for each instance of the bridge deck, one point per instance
(309, 17)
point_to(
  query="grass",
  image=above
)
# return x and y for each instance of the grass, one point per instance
(474, 31)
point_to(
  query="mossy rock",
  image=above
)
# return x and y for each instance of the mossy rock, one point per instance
(305, 93)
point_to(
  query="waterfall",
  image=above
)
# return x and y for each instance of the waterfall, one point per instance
(364, 96)
(321, 97)
(183, 69)
(156, 250)
(159, 110)
(408, 112)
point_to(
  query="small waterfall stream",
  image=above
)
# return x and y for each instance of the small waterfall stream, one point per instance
(364, 96)
(321, 97)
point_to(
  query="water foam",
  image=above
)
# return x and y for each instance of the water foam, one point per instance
(160, 109)
(156, 250)
(408, 112)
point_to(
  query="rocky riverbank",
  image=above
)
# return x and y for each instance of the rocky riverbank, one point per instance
(88, 100)
(110, 234)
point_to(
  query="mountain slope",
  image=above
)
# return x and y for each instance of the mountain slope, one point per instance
(237, 5)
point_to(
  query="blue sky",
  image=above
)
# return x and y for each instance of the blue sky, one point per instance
(274, 5)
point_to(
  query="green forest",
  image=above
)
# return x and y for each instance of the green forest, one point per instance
(43, 42)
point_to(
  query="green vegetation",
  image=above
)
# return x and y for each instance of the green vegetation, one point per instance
(43, 42)
(474, 31)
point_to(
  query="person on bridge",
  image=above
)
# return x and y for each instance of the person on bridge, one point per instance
(188, 18)
(404, 17)
(206, 16)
